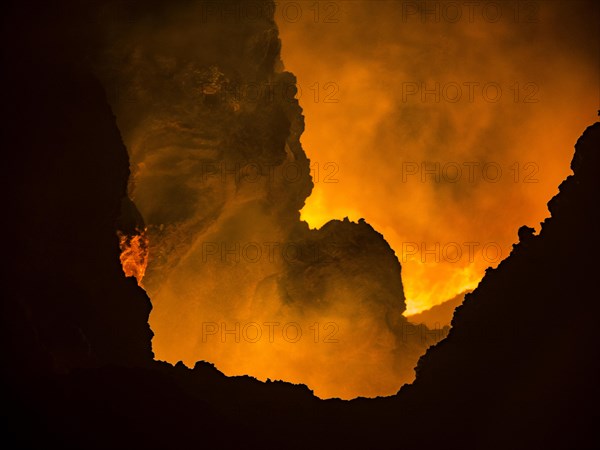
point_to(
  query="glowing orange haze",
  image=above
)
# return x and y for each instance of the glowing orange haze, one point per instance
(361, 65)
(446, 137)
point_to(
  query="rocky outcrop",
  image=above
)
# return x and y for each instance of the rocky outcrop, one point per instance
(66, 170)
(520, 372)
(516, 370)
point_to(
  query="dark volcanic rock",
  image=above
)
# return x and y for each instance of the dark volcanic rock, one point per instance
(519, 367)
(68, 171)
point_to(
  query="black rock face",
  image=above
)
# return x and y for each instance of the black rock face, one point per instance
(518, 367)
(66, 170)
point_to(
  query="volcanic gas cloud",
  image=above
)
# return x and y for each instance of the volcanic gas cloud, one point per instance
(213, 229)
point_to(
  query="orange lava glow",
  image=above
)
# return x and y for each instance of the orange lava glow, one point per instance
(444, 136)
(134, 254)
(390, 118)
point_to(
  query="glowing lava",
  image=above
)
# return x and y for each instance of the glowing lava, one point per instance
(134, 254)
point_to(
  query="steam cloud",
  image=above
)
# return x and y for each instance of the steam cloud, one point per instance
(417, 84)
(213, 128)
(218, 176)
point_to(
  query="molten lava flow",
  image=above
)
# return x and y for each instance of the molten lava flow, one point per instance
(134, 254)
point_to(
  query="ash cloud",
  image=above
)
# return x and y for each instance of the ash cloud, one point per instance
(219, 174)
(417, 85)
